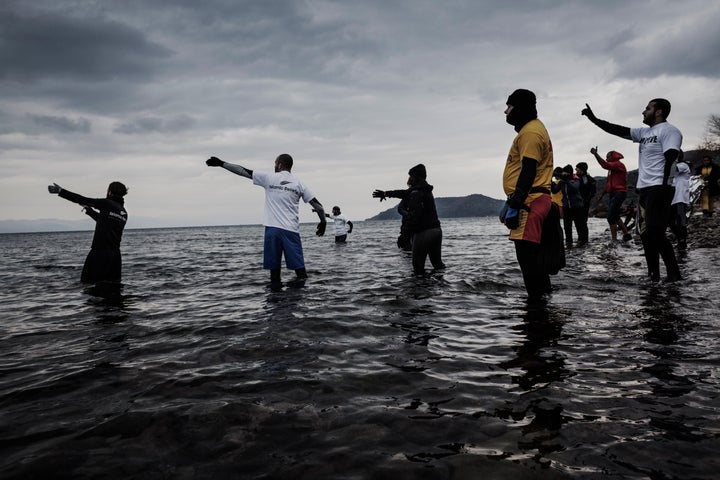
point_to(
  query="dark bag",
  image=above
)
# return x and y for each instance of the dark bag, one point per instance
(552, 247)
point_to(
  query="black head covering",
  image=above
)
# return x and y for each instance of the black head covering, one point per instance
(582, 166)
(523, 103)
(418, 171)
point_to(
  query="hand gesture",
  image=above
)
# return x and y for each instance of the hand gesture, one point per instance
(214, 162)
(587, 111)
(54, 188)
(379, 194)
(321, 228)
(593, 150)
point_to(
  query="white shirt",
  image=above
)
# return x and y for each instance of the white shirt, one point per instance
(283, 192)
(654, 142)
(681, 183)
(340, 222)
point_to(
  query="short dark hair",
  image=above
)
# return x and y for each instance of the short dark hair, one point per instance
(286, 160)
(662, 104)
(117, 189)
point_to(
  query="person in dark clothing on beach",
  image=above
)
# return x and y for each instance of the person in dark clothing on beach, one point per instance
(659, 147)
(104, 262)
(588, 187)
(573, 206)
(421, 226)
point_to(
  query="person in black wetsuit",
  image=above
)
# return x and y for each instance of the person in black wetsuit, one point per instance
(104, 262)
(420, 221)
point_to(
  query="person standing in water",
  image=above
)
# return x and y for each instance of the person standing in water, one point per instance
(616, 189)
(283, 192)
(104, 262)
(659, 146)
(343, 226)
(526, 182)
(420, 219)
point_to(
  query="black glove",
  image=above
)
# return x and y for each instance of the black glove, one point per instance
(404, 242)
(321, 228)
(214, 162)
(379, 194)
(350, 226)
(587, 111)
(54, 188)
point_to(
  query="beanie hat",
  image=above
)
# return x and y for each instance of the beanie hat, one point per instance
(558, 172)
(568, 169)
(418, 171)
(615, 156)
(582, 166)
(524, 109)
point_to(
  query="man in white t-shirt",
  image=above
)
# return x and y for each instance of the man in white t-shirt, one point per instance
(660, 144)
(283, 192)
(343, 226)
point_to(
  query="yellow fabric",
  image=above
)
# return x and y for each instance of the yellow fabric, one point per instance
(557, 197)
(533, 142)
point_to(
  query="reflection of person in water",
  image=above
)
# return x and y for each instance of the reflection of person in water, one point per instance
(343, 226)
(421, 226)
(104, 262)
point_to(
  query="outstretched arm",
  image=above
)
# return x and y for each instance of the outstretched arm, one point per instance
(611, 128)
(230, 167)
(74, 197)
(318, 208)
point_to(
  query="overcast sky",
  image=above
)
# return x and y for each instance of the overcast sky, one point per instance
(356, 91)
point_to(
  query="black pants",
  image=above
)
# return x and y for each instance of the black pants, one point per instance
(102, 265)
(579, 218)
(537, 280)
(654, 215)
(427, 243)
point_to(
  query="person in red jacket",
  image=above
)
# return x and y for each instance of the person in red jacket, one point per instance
(616, 190)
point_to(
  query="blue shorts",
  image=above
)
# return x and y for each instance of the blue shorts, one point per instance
(615, 201)
(279, 241)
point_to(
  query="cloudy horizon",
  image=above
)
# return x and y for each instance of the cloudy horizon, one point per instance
(356, 92)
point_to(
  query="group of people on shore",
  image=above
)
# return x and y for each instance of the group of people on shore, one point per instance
(535, 203)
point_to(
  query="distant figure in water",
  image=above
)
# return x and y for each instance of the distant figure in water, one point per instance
(343, 226)
(283, 192)
(420, 226)
(104, 262)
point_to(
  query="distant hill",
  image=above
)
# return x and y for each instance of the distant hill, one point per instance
(475, 205)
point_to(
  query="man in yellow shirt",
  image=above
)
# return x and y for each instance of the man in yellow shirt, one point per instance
(526, 181)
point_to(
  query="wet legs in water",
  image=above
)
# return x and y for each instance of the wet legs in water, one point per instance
(300, 273)
(657, 245)
(537, 282)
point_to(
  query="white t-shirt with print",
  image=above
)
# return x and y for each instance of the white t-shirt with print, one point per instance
(340, 222)
(681, 182)
(654, 142)
(283, 192)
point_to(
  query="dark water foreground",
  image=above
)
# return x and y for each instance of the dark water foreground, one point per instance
(197, 370)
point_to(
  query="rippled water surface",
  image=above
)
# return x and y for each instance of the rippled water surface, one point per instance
(197, 370)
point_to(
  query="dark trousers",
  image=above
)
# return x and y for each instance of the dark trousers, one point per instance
(654, 216)
(427, 243)
(578, 217)
(537, 280)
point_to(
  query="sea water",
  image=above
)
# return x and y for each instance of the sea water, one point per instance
(197, 369)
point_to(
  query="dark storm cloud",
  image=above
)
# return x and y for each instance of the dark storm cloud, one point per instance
(61, 124)
(34, 46)
(156, 125)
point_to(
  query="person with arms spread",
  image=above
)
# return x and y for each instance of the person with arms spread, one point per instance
(104, 262)
(526, 182)
(283, 192)
(420, 225)
(343, 226)
(659, 146)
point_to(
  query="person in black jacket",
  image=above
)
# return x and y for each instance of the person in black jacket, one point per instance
(104, 262)
(420, 224)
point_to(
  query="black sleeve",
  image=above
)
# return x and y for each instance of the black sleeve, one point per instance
(670, 157)
(524, 183)
(88, 202)
(612, 129)
(92, 213)
(414, 208)
(396, 193)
